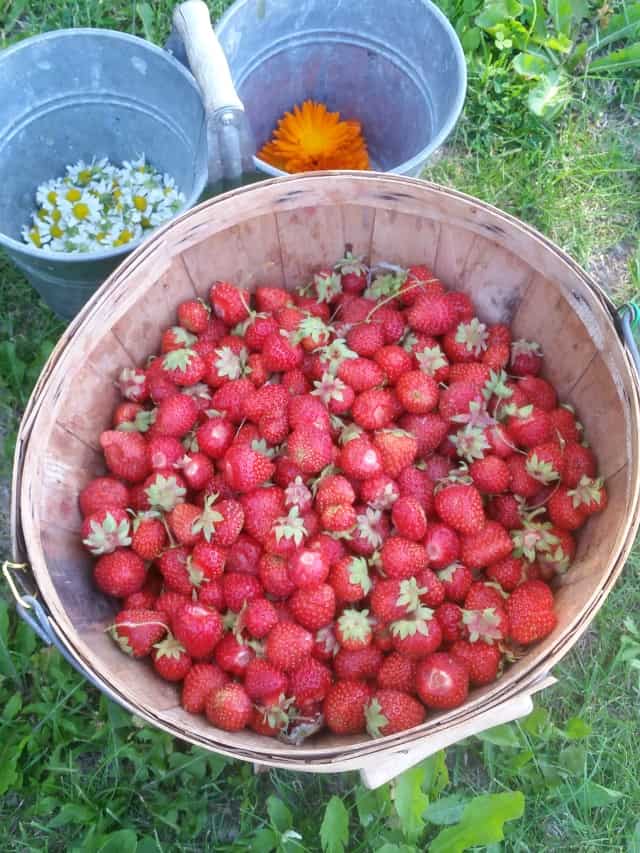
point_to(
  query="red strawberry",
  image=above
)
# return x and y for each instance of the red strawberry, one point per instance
(565, 424)
(539, 392)
(418, 634)
(379, 492)
(393, 360)
(392, 600)
(589, 496)
(184, 366)
(360, 459)
(483, 595)
(147, 596)
(175, 337)
(442, 681)
(365, 338)
(288, 645)
(456, 399)
(311, 449)
(149, 537)
(201, 680)
(313, 607)
(103, 493)
(214, 437)
(261, 509)
(178, 572)
(429, 430)
(209, 559)
(344, 707)
(361, 374)
(280, 354)
(350, 580)
(436, 467)
(432, 314)
(397, 448)
(489, 545)
(176, 415)
(528, 430)
(269, 299)
(136, 631)
(433, 593)
(564, 510)
(232, 655)
(466, 342)
(104, 531)
(442, 545)
(496, 356)
(506, 510)
(457, 580)
(373, 409)
(198, 628)
(245, 468)
(522, 483)
(183, 521)
(170, 602)
(193, 315)
(482, 660)
(309, 684)
(462, 305)
(530, 611)
(357, 664)
(260, 617)
(229, 303)
(460, 507)
(308, 567)
(579, 462)
(353, 273)
(170, 659)
(120, 574)
(526, 358)
(239, 588)
(126, 454)
(545, 462)
(508, 573)
(334, 489)
(274, 576)
(491, 475)
(262, 679)
(391, 711)
(417, 392)
(229, 708)
(397, 673)
(449, 617)
(402, 558)
(409, 518)
(211, 594)
(229, 398)
(127, 414)
(353, 629)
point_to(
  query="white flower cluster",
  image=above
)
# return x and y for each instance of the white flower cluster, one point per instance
(98, 206)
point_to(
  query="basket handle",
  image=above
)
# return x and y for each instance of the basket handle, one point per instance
(384, 769)
(629, 315)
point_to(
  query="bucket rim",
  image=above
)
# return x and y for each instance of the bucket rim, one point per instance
(418, 160)
(201, 181)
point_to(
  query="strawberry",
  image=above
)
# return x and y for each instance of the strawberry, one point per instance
(530, 611)
(532, 426)
(332, 490)
(176, 415)
(417, 392)
(184, 366)
(201, 680)
(467, 342)
(391, 711)
(170, 602)
(457, 580)
(136, 631)
(350, 580)
(209, 559)
(147, 596)
(589, 496)
(228, 399)
(263, 679)
(506, 510)
(198, 628)
(164, 452)
(379, 492)
(120, 573)
(436, 467)
(409, 518)
(442, 681)
(126, 416)
(373, 409)
(545, 462)
(175, 337)
(397, 448)
(229, 303)
(366, 339)
(149, 537)
(433, 314)
(538, 392)
(197, 470)
(357, 664)
(308, 567)
(462, 305)
(508, 573)
(482, 660)
(260, 617)
(433, 593)
(430, 358)
(360, 459)
(490, 475)
(564, 510)
(170, 659)
(229, 708)
(269, 299)
(193, 315)
(397, 673)
(418, 634)
(104, 531)
(183, 521)
(103, 493)
(309, 684)
(353, 273)
(126, 454)
(307, 411)
(429, 430)
(483, 595)
(178, 573)
(526, 358)
(244, 468)
(523, 484)
(280, 354)
(233, 655)
(392, 600)
(261, 508)
(353, 629)
(442, 545)
(288, 645)
(338, 518)
(449, 617)
(311, 449)
(402, 558)
(360, 374)
(496, 356)
(489, 545)
(274, 576)
(579, 462)
(393, 360)
(344, 707)
(489, 624)
(565, 424)
(460, 507)
(313, 607)
(211, 594)
(132, 384)
(239, 588)
(454, 403)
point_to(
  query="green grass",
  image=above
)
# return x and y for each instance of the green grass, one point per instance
(77, 773)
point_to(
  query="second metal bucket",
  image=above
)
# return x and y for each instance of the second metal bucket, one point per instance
(397, 67)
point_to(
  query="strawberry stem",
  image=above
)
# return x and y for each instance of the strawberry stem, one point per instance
(395, 296)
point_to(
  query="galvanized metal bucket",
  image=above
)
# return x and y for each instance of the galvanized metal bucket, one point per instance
(78, 94)
(397, 67)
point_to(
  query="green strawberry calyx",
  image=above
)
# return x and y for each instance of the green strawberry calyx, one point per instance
(230, 364)
(355, 624)
(108, 535)
(165, 493)
(449, 571)
(208, 518)
(431, 359)
(335, 353)
(351, 265)
(482, 625)
(328, 286)
(290, 526)
(329, 388)
(473, 335)
(534, 538)
(541, 469)
(169, 648)
(314, 328)
(376, 720)
(359, 574)
(178, 359)
(418, 624)
(409, 596)
(587, 492)
(470, 442)
(141, 423)
(367, 526)
(524, 347)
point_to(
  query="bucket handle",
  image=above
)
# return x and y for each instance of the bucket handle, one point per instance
(629, 315)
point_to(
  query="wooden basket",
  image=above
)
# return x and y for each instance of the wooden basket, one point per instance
(280, 231)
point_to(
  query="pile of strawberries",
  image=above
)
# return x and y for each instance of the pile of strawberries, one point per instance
(337, 507)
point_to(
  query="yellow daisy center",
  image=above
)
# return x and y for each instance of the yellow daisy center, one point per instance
(123, 237)
(85, 176)
(52, 197)
(73, 194)
(56, 231)
(80, 210)
(56, 215)
(34, 234)
(42, 214)
(140, 202)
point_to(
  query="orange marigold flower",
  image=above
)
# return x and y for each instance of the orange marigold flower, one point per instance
(310, 138)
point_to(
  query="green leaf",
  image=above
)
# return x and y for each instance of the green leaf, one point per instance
(470, 39)
(576, 728)
(573, 758)
(410, 801)
(627, 57)
(17, 8)
(6, 666)
(595, 796)
(366, 805)
(334, 829)
(633, 845)
(549, 96)
(147, 844)
(389, 847)
(482, 822)
(72, 813)
(531, 66)
(24, 641)
(559, 43)
(12, 707)
(145, 13)
(622, 26)
(504, 735)
(536, 722)
(566, 13)
(279, 814)
(10, 752)
(498, 12)
(122, 841)
(436, 777)
(447, 810)
(264, 841)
